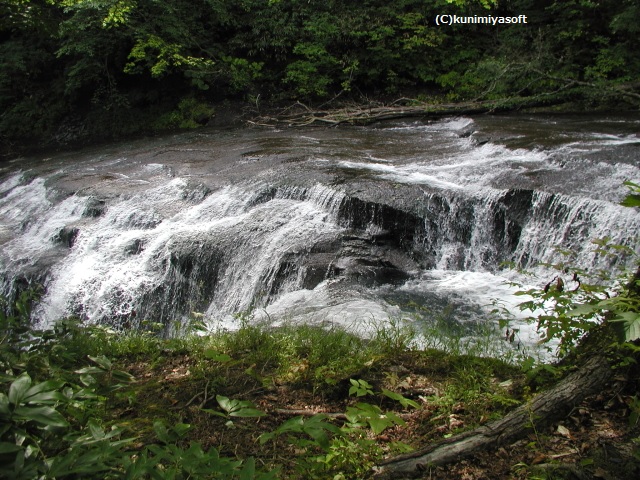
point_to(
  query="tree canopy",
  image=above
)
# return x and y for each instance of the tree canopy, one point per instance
(121, 66)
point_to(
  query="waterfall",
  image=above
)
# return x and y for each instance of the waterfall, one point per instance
(572, 224)
(165, 253)
(477, 233)
(320, 230)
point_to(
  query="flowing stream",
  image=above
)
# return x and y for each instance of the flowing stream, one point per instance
(351, 225)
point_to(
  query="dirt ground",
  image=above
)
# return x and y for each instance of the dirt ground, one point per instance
(598, 440)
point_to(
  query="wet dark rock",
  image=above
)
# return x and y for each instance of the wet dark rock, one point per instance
(189, 281)
(466, 131)
(318, 268)
(134, 247)
(94, 207)
(66, 236)
(359, 259)
(398, 224)
(263, 196)
(196, 192)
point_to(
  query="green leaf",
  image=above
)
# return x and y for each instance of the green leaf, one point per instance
(19, 388)
(249, 470)
(238, 408)
(226, 403)
(631, 324)
(360, 388)
(216, 356)
(102, 361)
(631, 200)
(96, 431)
(214, 412)
(45, 392)
(121, 376)
(6, 447)
(378, 425)
(372, 414)
(181, 429)
(404, 401)
(43, 415)
(583, 310)
(320, 436)
(247, 413)
(265, 437)
(4, 405)
(88, 381)
(89, 370)
(161, 432)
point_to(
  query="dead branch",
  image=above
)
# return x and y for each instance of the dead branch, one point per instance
(309, 413)
(543, 409)
(366, 115)
(569, 82)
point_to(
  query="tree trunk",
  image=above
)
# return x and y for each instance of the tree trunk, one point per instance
(543, 409)
(364, 115)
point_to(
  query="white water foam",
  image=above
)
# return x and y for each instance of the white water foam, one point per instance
(102, 275)
(472, 169)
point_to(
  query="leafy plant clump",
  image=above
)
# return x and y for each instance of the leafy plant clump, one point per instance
(575, 302)
(86, 401)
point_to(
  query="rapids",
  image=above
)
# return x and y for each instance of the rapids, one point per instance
(350, 225)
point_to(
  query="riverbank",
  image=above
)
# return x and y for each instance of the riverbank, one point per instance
(299, 402)
(78, 132)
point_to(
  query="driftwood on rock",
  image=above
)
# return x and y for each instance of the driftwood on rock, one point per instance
(300, 115)
(543, 409)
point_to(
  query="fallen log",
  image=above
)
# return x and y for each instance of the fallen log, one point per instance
(367, 115)
(541, 410)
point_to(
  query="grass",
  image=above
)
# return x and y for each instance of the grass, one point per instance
(259, 402)
(291, 368)
(203, 386)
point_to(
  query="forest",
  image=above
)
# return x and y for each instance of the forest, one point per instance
(168, 393)
(78, 70)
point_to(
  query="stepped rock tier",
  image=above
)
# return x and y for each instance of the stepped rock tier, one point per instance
(349, 225)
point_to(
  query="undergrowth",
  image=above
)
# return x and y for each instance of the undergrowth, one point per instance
(83, 401)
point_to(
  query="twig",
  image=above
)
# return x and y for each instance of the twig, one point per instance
(309, 413)
(194, 398)
(206, 398)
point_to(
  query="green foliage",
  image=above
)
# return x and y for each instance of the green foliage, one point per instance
(56, 427)
(362, 414)
(174, 462)
(190, 113)
(15, 325)
(103, 376)
(235, 408)
(405, 402)
(360, 388)
(346, 458)
(315, 427)
(567, 314)
(161, 58)
(633, 198)
(119, 64)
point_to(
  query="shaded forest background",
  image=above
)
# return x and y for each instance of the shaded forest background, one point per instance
(87, 69)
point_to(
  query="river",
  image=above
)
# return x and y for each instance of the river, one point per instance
(352, 225)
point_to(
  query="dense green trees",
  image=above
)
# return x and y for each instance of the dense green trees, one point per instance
(121, 66)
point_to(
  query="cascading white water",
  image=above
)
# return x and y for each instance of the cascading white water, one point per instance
(143, 243)
(142, 235)
(571, 224)
(555, 228)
